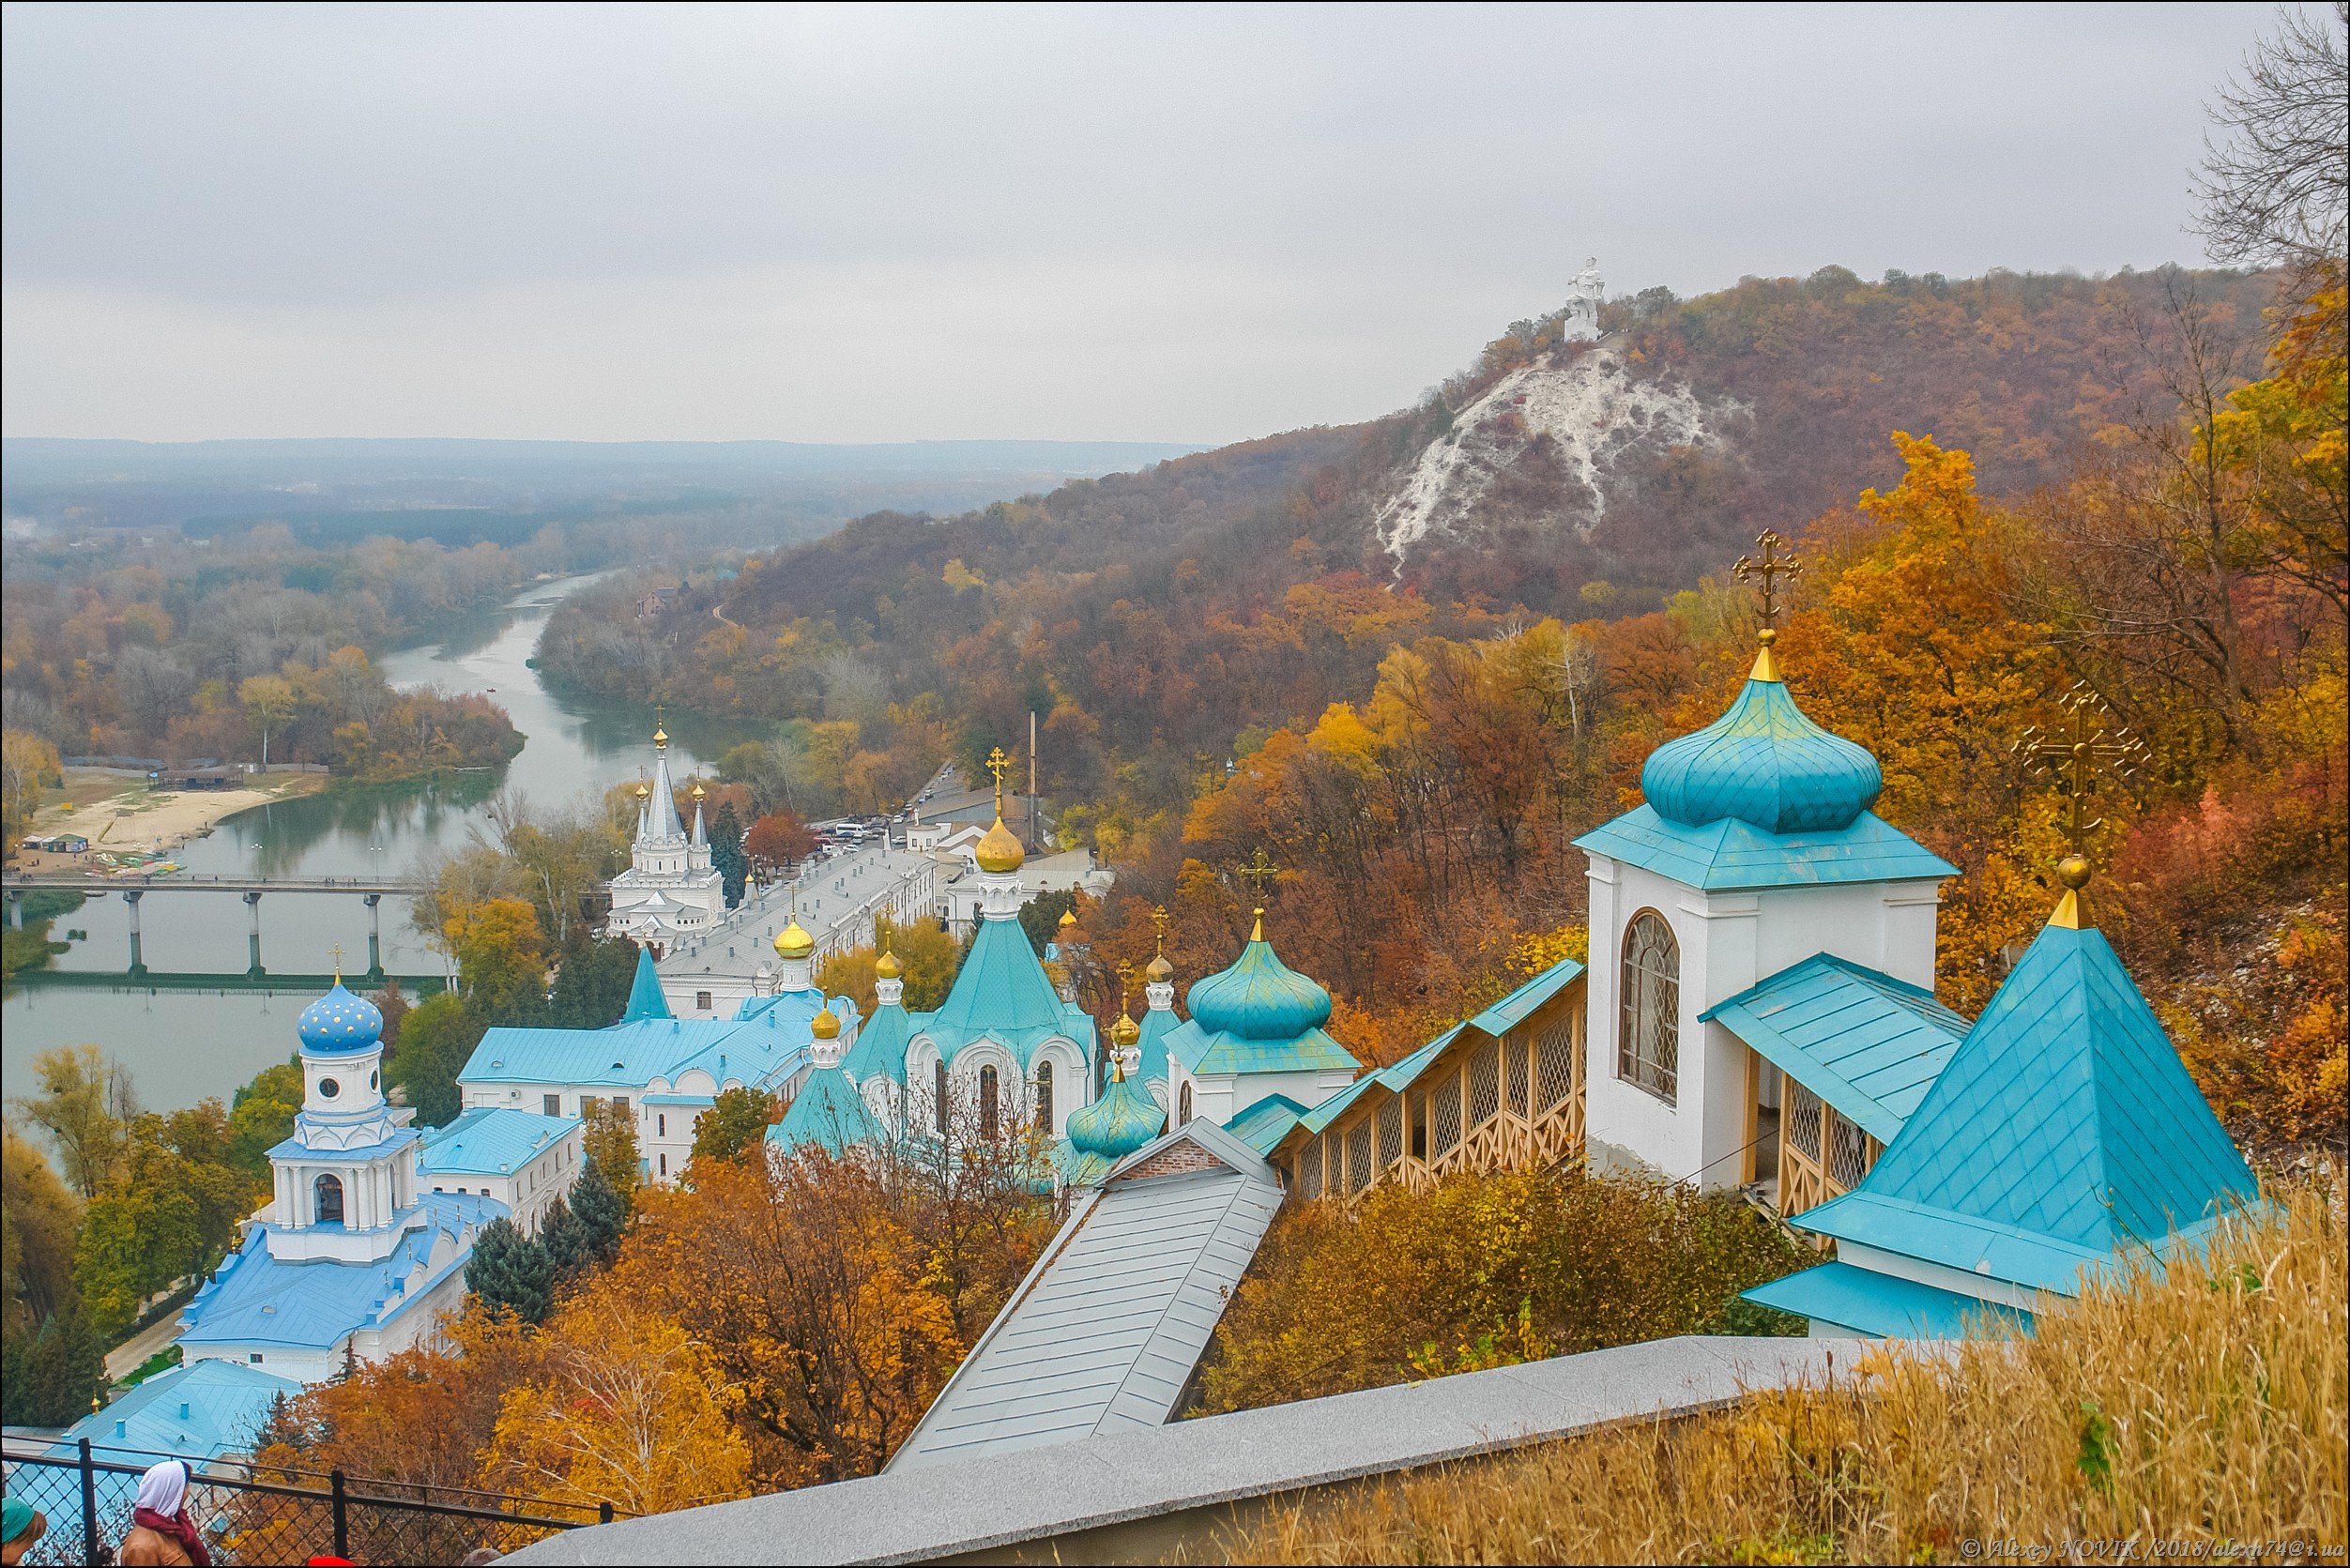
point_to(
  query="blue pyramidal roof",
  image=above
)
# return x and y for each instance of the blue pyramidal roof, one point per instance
(2065, 1127)
(644, 999)
(1763, 762)
(1002, 991)
(826, 1112)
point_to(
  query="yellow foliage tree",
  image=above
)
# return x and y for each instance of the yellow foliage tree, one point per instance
(625, 1407)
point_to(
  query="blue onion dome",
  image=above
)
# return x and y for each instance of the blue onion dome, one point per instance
(1259, 997)
(1120, 1122)
(1765, 764)
(339, 1021)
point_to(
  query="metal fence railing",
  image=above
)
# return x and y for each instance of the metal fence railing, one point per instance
(265, 1514)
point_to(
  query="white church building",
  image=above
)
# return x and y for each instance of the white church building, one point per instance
(670, 891)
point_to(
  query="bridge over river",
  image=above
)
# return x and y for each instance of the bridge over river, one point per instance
(134, 889)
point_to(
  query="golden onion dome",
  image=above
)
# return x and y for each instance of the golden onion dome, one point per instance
(1125, 1033)
(794, 941)
(644, 792)
(660, 736)
(826, 1025)
(698, 792)
(886, 966)
(999, 850)
(1158, 969)
(1068, 918)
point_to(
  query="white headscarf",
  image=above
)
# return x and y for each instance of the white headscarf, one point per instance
(165, 1487)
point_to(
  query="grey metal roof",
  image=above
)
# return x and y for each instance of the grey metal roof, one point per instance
(1103, 1332)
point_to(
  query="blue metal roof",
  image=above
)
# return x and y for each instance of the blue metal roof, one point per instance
(1002, 993)
(2064, 1128)
(490, 1140)
(645, 998)
(1157, 1024)
(1731, 854)
(881, 1046)
(1265, 1122)
(1881, 1305)
(198, 1410)
(771, 1044)
(1202, 1053)
(1514, 1008)
(826, 1112)
(1866, 1043)
(256, 1299)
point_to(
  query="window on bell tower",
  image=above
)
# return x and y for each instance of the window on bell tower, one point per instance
(1648, 1039)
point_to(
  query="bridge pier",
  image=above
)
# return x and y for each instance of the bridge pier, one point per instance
(375, 937)
(252, 940)
(16, 909)
(131, 897)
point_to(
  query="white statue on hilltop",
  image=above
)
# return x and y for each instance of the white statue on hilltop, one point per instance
(1582, 303)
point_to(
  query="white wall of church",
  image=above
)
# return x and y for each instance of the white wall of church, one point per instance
(1728, 941)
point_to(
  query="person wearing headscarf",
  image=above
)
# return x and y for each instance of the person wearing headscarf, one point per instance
(161, 1532)
(21, 1525)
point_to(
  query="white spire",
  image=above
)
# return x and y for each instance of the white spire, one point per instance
(661, 818)
(701, 840)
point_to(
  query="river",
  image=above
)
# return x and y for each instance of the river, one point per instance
(180, 1047)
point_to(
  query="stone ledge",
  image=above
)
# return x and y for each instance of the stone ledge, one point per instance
(1038, 1494)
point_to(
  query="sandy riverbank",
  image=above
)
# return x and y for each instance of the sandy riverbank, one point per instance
(127, 815)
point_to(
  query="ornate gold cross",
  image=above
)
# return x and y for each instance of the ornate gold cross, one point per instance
(2073, 755)
(1158, 919)
(996, 764)
(1771, 567)
(337, 950)
(1259, 872)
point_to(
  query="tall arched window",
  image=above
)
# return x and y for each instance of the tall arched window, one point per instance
(938, 1096)
(1648, 1042)
(1182, 1106)
(1045, 1097)
(986, 1102)
(328, 1206)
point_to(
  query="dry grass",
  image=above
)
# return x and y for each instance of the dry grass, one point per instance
(2204, 1406)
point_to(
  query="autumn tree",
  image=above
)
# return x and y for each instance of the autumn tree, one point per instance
(270, 703)
(170, 1209)
(624, 1406)
(928, 958)
(735, 1125)
(501, 961)
(777, 840)
(261, 1116)
(84, 1103)
(28, 766)
(611, 1145)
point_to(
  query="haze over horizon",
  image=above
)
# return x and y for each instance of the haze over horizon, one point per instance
(864, 226)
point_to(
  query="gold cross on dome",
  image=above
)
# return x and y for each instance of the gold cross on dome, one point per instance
(2076, 755)
(2073, 757)
(1126, 983)
(996, 764)
(337, 950)
(1158, 919)
(1771, 567)
(1258, 874)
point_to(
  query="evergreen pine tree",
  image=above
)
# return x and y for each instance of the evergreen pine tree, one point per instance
(601, 1212)
(513, 1271)
(592, 982)
(566, 1240)
(725, 853)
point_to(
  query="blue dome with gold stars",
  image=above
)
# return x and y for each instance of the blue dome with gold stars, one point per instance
(340, 1022)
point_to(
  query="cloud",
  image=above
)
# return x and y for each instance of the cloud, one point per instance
(883, 224)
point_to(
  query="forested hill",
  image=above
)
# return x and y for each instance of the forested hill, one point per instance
(1635, 462)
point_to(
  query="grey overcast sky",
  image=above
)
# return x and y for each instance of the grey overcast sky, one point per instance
(868, 224)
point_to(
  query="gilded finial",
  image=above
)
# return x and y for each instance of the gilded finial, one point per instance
(337, 950)
(1159, 969)
(698, 792)
(661, 735)
(2073, 757)
(1770, 568)
(996, 763)
(644, 791)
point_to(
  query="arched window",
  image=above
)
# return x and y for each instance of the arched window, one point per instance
(328, 1206)
(1182, 1106)
(1045, 1097)
(986, 1102)
(1648, 1042)
(938, 1096)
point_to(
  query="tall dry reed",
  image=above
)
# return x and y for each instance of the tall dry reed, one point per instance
(2204, 1404)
